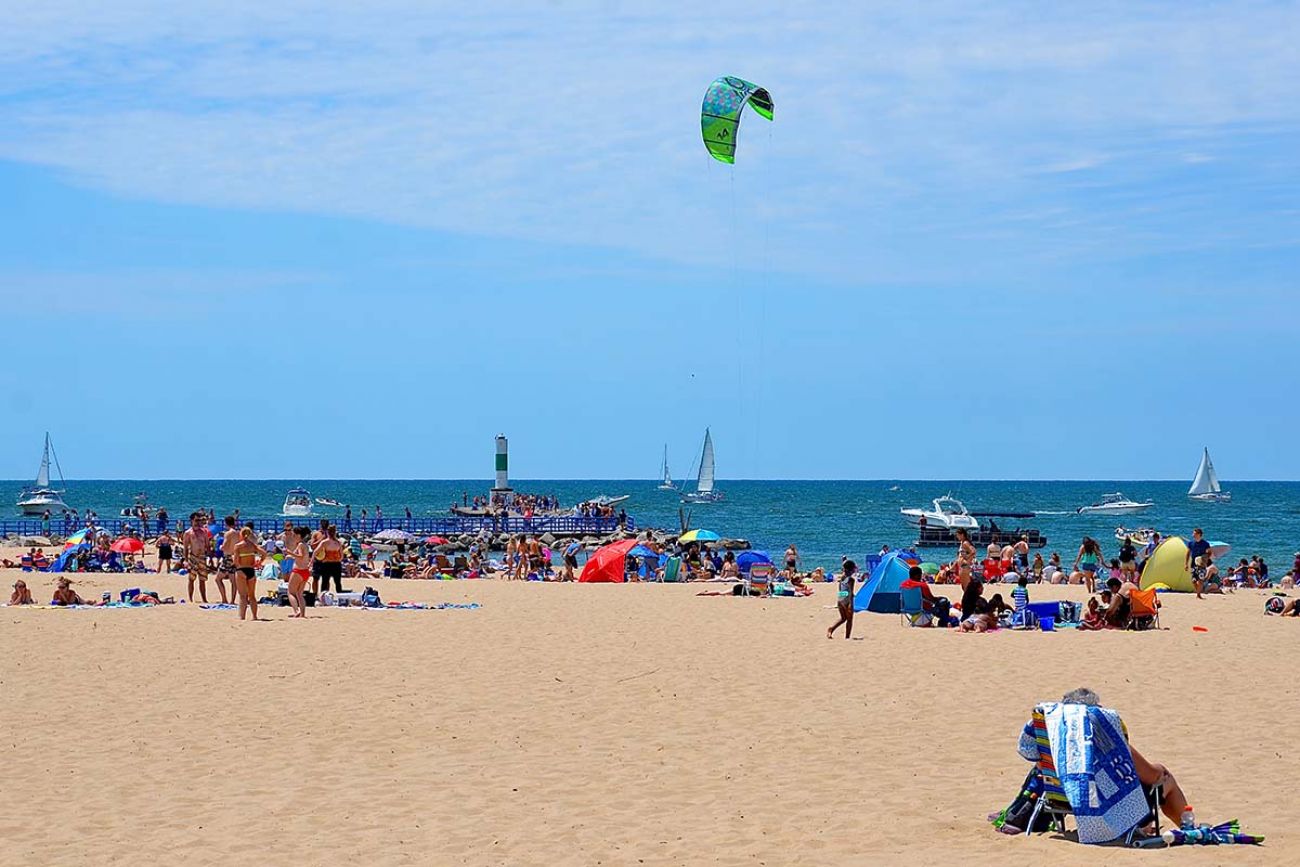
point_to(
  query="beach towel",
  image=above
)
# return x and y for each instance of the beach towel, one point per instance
(421, 606)
(1096, 770)
(218, 606)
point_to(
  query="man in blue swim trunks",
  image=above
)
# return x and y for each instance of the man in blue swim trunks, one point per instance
(1198, 555)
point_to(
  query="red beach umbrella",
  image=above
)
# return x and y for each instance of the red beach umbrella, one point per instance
(607, 564)
(128, 546)
(436, 540)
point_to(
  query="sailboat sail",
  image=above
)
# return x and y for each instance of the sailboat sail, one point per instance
(43, 474)
(704, 483)
(667, 476)
(1206, 481)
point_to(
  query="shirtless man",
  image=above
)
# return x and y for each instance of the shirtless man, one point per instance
(226, 569)
(195, 544)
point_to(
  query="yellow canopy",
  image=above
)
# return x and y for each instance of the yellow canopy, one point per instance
(1168, 566)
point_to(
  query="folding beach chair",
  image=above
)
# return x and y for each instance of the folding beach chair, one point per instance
(1052, 800)
(672, 569)
(442, 565)
(911, 606)
(1144, 609)
(759, 579)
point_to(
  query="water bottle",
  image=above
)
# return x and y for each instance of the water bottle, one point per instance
(1188, 822)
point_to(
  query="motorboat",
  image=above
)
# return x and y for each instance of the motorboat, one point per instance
(1205, 487)
(1139, 535)
(603, 500)
(704, 492)
(667, 483)
(1115, 504)
(139, 504)
(41, 497)
(947, 513)
(297, 504)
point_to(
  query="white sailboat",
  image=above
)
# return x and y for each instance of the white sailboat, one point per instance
(704, 492)
(667, 483)
(1205, 487)
(40, 497)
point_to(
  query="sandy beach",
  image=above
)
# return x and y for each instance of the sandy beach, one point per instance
(600, 724)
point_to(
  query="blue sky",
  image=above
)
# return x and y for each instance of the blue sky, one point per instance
(320, 240)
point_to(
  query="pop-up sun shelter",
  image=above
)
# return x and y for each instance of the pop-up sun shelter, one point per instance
(607, 564)
(1168, 566)
(745, 559)
(882, 593)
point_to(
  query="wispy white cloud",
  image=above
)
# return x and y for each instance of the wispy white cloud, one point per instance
(898, 126)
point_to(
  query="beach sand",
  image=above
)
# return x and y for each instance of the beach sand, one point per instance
(601, 724)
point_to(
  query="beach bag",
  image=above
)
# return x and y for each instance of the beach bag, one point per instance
(1017, 813)
(370, 598)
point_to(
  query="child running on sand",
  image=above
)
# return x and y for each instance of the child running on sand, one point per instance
(301, 574)
(844, 600)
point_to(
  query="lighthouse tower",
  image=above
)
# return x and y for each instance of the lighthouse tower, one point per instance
(503, 465)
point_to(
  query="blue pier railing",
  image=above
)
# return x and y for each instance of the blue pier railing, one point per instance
(559, 525)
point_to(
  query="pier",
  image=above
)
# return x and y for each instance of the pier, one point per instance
(556, 525)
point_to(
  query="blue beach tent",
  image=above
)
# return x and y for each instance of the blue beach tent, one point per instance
(882, 593)
(61, 562)
(745, 559)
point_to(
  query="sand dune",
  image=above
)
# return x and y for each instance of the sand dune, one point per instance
(600, 725)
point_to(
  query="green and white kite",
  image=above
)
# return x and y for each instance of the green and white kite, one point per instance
(720, 114)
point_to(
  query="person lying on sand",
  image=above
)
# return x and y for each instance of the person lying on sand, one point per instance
(65, 595)
(21, 595)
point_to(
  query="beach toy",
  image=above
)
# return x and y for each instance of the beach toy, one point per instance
(1199, 629)
(1047, 623)
(1159, 586)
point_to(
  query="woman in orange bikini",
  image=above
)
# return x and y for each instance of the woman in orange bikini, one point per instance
(301, 555)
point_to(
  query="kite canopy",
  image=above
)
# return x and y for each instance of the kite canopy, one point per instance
(724, 101)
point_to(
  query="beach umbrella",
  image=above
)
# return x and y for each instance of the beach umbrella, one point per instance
(699, 536)
(607, 564)
(746, 559)
(930, 568)
(78, 537)
(639, 551)
(1218, 550)
(128, 546)
(436, 540)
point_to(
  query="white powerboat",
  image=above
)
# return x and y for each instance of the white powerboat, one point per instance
(297, 504)
(1115, 504)
(667, 483)
(41, 497)
(704, 492)
(1205, 487)
(948, 513)
(604, 500)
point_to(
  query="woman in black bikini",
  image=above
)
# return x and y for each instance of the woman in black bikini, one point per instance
(245, 556)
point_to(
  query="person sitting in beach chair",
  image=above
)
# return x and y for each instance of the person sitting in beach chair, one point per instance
(1144, 609)
(934, 609)
(1087, 768)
